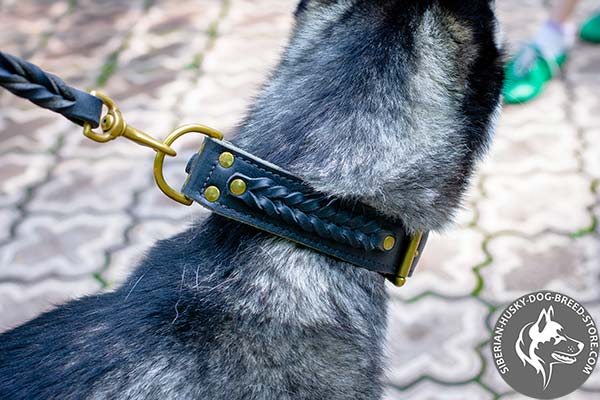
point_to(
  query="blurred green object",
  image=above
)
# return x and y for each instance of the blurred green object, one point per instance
(590, 30)
(528, 73)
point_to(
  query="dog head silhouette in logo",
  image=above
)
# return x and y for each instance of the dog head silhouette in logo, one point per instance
(543, 344)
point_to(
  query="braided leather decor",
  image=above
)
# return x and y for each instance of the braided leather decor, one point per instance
(48, 91)
(281, 203)
(313, 213)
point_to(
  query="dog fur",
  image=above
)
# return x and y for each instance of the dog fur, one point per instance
(542, 344)
(390, 102)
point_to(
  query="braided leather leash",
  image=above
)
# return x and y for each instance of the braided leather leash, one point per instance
(48, 91)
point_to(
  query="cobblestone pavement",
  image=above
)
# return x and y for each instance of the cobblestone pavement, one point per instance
(75, 216)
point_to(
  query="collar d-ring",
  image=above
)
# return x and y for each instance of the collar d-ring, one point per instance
(160, 159)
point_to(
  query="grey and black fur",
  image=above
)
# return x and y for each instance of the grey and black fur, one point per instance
(388, 101)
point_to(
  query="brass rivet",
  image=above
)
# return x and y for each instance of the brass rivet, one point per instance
(389, 243)
(107, 122)
(226, 159)
(400, 282)
(238, 187)
(212, 193)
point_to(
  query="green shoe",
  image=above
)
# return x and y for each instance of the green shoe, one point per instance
(590, 31)
(528, 73)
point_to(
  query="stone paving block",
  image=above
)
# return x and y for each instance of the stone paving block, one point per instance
(430, 391)
(533, 147)
(20, 303)
(586, 103)
(8, 216)
(266, 18)
(468, 213)
(20, 171)
(445, 267)
(141, 238)
(27, 129)
(583, 61)
(166, 17)
(152, 203)
(83, 41)
(547, 109)
(251, 39)
(218, 107)
(466, 217)
(162, 45)
(437, 338)
(66, 247)
(534, 203)
(520, 20)
(491, 378)
(551, 262)
(94, 186)
(591, 151)
(22, 29)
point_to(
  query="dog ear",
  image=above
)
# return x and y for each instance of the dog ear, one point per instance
(304, 5)
(544, 318)
(301, 7)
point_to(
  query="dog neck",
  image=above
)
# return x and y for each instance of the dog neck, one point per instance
(296, 285)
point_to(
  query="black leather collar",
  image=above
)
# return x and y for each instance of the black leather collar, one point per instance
(237, 185)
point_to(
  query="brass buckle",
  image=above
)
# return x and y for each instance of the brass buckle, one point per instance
(411, 254)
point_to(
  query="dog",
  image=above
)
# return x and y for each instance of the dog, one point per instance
(387, 102)
(543, 344)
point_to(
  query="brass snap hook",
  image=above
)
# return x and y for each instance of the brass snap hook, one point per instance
(160, 159)
(113, 125)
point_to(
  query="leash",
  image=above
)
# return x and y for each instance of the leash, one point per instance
(235, 184)
(48, 91)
